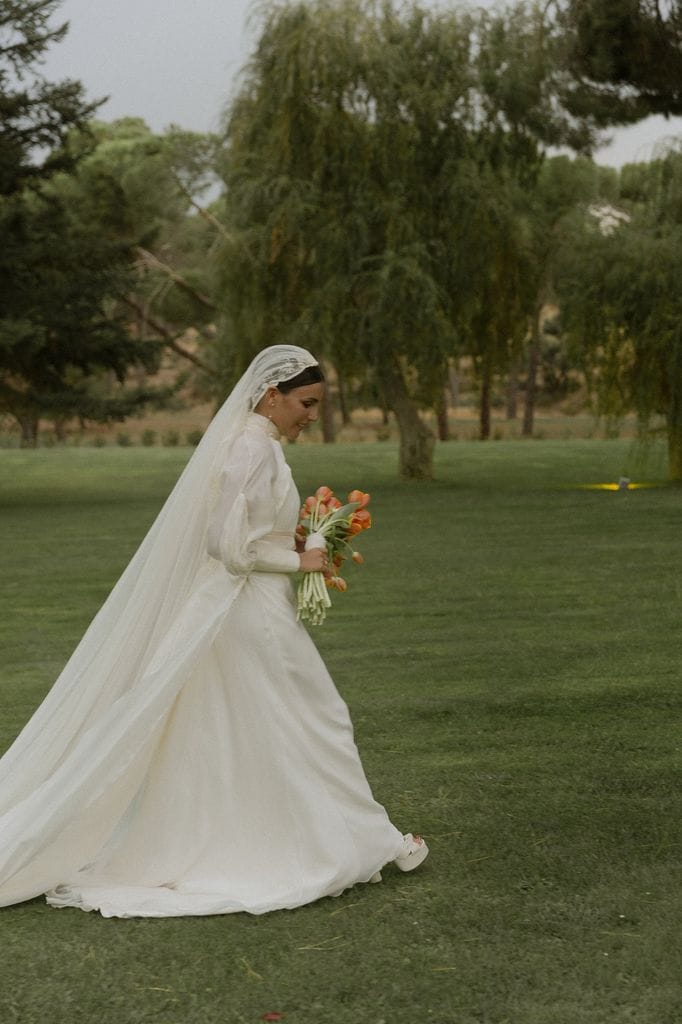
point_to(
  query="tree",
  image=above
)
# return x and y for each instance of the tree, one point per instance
(519, 112)
(363, 153)
(621, 299)
(90, 270)
(563, 185)
(374, 164)
(339, 197)
(57, 335)
(85, 300)
(141, 189)
(56, 274)
(625, 57)
(36, 115)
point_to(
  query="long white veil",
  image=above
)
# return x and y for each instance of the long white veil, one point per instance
(75, 767)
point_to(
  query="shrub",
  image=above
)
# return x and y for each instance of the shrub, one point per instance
(123, 440)
(99, 441)
(148, 438)
(171, 439)
(194, 436)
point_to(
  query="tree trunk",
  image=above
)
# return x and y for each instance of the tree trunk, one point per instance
(674, 431)
(416, 440)
(29, 430)
(60, 429)
(343, 399)
(484, 410)
(328, 432)
(442, 416)
(513, 391)
(453, 381)
(532, 377)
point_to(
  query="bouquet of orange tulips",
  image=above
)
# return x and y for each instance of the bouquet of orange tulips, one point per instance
(326, 523)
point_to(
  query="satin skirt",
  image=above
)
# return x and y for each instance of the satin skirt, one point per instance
(254, 798)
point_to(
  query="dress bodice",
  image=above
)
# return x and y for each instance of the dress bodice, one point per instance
(251, 526)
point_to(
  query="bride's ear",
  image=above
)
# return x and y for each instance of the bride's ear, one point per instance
(267, 401)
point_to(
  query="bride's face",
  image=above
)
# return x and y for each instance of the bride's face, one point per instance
(293, 412)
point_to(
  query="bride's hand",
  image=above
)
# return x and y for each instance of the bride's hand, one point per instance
(314, 560)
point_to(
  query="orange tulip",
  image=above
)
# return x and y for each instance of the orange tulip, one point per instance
(340, 583)
(362, 518)
(310, 503)
(360, 497)
(357, 558)
(323, 493)
(333, 503)
(337, 560)
(322, 509)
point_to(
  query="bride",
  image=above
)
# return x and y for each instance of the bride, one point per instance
(194, 756)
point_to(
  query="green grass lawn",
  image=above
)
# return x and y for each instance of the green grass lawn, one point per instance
(512, 656)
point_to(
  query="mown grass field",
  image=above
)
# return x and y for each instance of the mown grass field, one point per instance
(512, 656)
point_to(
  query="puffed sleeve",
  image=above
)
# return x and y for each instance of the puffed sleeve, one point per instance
(244, 513)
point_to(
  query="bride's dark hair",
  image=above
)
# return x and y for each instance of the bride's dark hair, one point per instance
(311, 375)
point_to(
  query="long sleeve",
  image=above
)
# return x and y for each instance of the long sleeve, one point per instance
(244, 514)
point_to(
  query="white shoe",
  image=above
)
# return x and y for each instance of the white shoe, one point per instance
(414, 852)
(376, 877)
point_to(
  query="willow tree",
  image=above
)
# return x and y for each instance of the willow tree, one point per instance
(620, 286)
(374, 160)
(345, 168)
(521, 111)
(563, 186)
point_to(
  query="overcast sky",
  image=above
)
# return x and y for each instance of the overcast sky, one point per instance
(176, 61)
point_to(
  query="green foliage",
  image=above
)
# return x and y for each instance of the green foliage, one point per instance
(57, 335)
(375, 166)
(621, 293)
(626, 56)
(125, 182)
(56, 271)
(36, 115)
(76, 263)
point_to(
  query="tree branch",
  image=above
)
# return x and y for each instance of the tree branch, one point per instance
(150, 260)
(170, 339)
(202, 211)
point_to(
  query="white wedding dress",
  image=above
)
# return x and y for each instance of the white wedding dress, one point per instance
(227, 779)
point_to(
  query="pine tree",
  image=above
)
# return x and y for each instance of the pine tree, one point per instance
(625, 57)
(35, 115)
